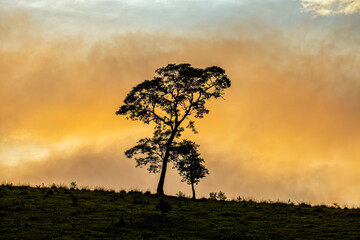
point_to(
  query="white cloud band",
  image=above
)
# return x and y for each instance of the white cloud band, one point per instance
(331, 7)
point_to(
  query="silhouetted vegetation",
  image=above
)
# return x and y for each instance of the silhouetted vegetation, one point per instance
(220, 196)
(190, 164)
(177, 93)
(73, 185)
(30, 213)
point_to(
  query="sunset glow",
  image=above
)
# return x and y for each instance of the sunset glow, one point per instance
(288, 127)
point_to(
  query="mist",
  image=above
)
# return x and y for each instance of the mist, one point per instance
(287, 129)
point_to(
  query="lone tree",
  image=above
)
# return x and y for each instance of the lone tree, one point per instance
(177, 93)
(190, 164)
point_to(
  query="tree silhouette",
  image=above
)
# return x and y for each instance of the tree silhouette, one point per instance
(176, 93)
(190, 164)
(150, 152)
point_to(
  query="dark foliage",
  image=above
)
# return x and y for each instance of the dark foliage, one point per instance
(169, 100)
(150, 152)
(190, 164)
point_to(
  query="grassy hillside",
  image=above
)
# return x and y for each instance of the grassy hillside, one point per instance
(61, 213)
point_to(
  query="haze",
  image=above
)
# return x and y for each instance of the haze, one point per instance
(287, 129)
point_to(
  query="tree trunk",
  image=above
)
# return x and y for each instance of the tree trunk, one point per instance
(160, 188)
(193, 191)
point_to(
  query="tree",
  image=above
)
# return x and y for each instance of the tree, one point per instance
(175, 94)
(150, 152)
(190, 164)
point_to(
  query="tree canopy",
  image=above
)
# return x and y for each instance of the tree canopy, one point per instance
(190, 164)
(150, 152)
(177, 93)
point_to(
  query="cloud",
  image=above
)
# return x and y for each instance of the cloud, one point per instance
(331, 7)
(287, 129)
(181, 17)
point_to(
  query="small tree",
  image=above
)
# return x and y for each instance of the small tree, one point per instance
(221, 196)
(213, 196)
(190, 164)
(73, 185)
(178, 92)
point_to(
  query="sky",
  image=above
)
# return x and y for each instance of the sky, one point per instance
(287, 129)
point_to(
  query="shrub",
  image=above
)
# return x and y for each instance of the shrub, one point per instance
(218, 196)
(73, 185)
(180, 194)
(213, 196)
(221, 196)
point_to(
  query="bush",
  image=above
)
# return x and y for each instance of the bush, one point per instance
(180, 194)
(212, 196)
(73, 185)
(218, 196)
(221, 196)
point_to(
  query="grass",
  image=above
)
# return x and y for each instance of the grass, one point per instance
(62, 213)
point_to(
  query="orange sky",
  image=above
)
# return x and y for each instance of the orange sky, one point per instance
(287, 129)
